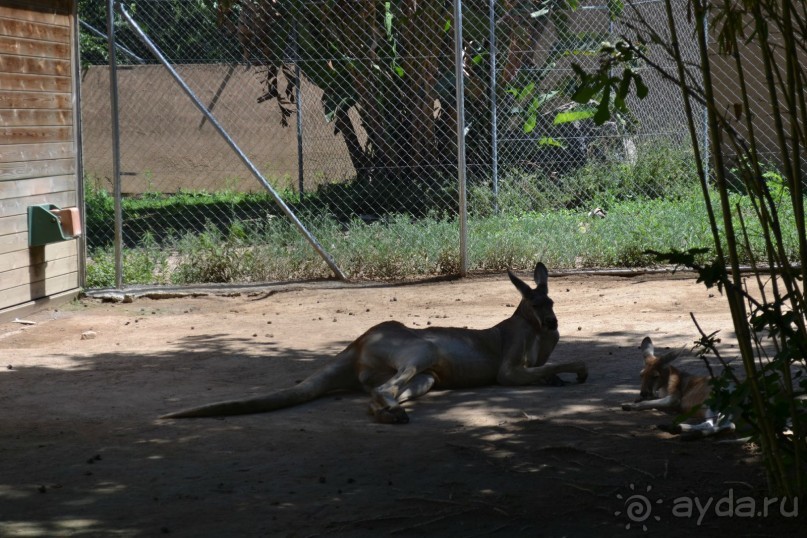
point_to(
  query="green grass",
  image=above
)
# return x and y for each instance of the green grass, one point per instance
(653, 203)
(402, 246)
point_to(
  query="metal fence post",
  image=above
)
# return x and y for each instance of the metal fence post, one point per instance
(299, 109)
(494, 135)
(116, 177)
(705, 143)
(461, 172)
(76, 86)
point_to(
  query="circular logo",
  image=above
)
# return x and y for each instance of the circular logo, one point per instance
(638, 507)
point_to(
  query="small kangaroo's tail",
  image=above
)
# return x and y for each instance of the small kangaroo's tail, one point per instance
(337, 375)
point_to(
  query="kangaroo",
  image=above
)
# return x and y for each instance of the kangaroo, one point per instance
(673, 390)
(394, 363)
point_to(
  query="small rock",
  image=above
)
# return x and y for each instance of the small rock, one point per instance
(88, 335)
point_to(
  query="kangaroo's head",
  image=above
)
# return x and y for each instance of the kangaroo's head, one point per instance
(656, 370)
(536, 306)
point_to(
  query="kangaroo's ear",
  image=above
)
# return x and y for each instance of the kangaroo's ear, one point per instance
(522, 286)
(648, 350)
(671, 356)
(541, 277)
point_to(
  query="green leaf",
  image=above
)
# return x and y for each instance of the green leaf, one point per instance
(530, 124)
(573, 115)
(641, 88)
(584, 94)
(398, 70)
(388, 18)
(624, 84)
(549, 141)
(588, 86)
(447, 26)
(540, 100)
(603, 109)
(477, 59)
(526, 91)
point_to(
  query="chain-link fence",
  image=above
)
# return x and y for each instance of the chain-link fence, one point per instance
(349, 110)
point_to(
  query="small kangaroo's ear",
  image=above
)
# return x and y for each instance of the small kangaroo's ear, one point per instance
(522, 286)
(648, 350)
(671, 356)
(541, 277)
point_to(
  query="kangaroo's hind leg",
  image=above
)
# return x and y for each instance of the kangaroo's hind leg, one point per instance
(417, 387)
(409, 381)
(380, 399)
(385, 399)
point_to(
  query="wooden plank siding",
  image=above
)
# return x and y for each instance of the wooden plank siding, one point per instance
(38, 154)
(38, 185)
(37, 83)
(19, 206)
(26, 258)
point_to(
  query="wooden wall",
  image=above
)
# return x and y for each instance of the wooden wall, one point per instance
(38, 148)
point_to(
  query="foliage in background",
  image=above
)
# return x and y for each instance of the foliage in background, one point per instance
(148, 263)
(766, 227)
(191, 37)
(658, 168)
(387, 75)
(93, 47)
(400, 246)
(536, 217)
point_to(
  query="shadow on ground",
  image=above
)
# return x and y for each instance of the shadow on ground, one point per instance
(83, 453)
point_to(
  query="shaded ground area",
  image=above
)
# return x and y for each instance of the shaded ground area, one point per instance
(83, 454)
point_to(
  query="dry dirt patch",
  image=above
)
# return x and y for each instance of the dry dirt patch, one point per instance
(83, 453)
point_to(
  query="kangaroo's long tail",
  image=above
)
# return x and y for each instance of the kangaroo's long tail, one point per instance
(338, 375)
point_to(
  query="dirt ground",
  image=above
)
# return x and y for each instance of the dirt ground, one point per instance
(82, 452)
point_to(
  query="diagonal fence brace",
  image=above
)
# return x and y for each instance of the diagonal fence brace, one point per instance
(241, 155)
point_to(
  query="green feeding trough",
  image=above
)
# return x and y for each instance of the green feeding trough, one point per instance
(48, 223)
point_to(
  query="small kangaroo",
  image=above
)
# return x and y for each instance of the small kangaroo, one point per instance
(394, 363)
(673, 390)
